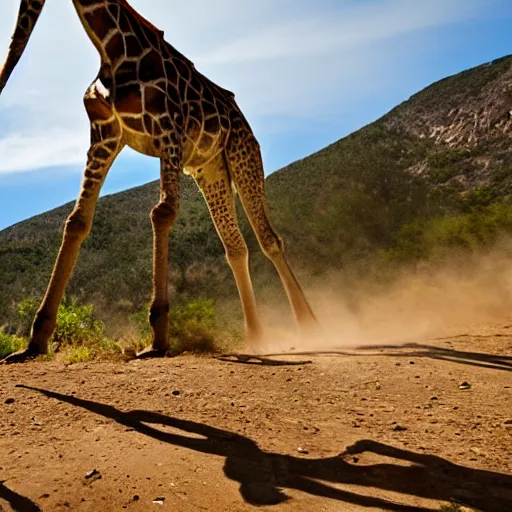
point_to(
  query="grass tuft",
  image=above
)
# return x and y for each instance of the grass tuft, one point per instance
(9, 343)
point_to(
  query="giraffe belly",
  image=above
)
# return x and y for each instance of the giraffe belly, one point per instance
(140, 142)
(200, 150)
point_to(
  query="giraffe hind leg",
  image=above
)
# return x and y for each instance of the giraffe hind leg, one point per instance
(246, 169)
(215, 184)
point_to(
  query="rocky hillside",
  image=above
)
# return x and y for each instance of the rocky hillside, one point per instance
(470, 115)
(444, 152)
(462, 110)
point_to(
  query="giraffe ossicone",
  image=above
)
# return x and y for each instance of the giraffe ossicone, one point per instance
(149, 96)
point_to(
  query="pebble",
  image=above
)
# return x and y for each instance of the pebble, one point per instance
(94, 474)
(10, 401)
(464, 385)
(399, 428)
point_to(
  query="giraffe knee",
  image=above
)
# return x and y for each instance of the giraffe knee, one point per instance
(272, 246)
(236, 249)
(77, 225)
(164, 213)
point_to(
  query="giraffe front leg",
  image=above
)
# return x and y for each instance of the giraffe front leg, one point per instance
(101, 155)
(163, 216)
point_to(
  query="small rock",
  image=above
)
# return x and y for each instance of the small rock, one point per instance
(94, 474)
(159, 501)
(507, 423)
(10, 401)
(434, 398)
(412, 362)
(464, 385)
(176, 392)
(302, 450)
(399, 428)
(136, 498)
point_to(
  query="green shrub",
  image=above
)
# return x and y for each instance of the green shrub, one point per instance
(422, 239)
(9, 343)
(78, 355)
(75, 322)
(77, 333)
(192, 327)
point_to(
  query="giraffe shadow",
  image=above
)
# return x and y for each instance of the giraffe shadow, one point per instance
(16, 501)
(235, 357)
(264, 476)
(410, 350)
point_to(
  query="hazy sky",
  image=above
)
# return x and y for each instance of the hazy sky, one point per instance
(305, 72)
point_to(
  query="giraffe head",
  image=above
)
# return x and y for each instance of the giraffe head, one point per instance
(27, 18)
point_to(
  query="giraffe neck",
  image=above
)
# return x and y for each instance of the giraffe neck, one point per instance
(116, 30)
(27, 18)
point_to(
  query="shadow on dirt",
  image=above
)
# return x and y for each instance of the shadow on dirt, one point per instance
(16, 501)
(490, 361)
(258, 360)
(262, 475)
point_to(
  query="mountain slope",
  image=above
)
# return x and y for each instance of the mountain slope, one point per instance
(445, 150)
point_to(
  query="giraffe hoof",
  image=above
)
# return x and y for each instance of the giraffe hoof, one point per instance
(151, 353)
(21, 357)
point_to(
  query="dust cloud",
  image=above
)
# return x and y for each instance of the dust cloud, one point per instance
(432, 300)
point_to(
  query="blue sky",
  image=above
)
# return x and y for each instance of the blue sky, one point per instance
(305, 72)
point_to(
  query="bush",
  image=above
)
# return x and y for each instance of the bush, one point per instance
(9, 343)
(75, 322)
(192, 327)
(77, 333)
(421, 240)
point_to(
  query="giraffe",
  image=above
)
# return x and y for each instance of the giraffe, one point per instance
(150, 97)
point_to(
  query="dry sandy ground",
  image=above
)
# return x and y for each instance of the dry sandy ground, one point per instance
(368, 429)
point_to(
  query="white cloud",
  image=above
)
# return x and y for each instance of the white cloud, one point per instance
(295, 59)
(338, 30)
(21, 152)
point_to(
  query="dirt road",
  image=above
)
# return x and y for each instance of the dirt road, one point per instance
(368, 429)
